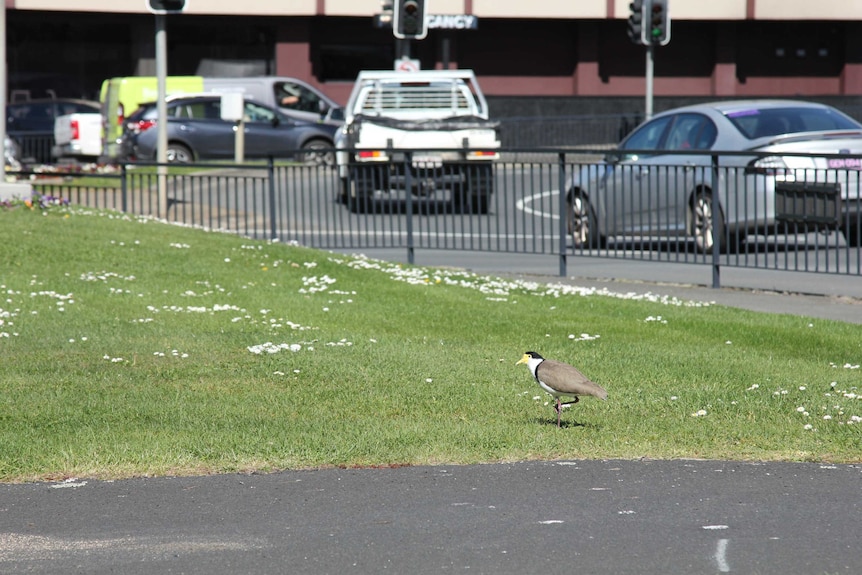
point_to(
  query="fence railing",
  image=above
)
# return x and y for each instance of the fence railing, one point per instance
(35, 146)
(719, 209)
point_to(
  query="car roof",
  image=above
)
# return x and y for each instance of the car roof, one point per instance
(726, 106)
(54, 101)
(198, 96)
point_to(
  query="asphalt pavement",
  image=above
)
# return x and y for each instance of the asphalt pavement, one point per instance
(615, 517)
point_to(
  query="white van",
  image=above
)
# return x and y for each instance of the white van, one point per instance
(293, 97)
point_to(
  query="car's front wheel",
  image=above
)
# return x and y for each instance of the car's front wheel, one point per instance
(582, 222)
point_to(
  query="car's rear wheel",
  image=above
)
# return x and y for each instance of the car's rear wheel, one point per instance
(317, 153)
(582, 222)
(179, 154)
(852, 231)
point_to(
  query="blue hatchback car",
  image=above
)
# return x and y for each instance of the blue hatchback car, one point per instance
(196, 132)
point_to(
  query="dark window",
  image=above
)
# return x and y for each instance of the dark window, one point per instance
(344, 62)
(760, 123)
(648, 137)
(296, 97)
(690, 132)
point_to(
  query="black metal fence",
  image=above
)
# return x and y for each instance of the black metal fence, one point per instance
(736, 210)
(35, 146)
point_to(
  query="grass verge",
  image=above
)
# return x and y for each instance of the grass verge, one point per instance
(130, 347)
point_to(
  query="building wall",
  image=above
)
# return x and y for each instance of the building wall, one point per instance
(718, 49)
(840, 10)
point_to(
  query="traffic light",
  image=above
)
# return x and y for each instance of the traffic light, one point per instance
(635, 24)
(166, 6)
(408, 19)
(658, 32)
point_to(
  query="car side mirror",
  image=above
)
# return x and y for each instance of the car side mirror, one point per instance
(613, 157)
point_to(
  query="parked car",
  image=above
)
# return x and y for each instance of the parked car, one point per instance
(197, 132)
(296, 99)
(12, 153)
(39, 115)
(31, 123)
(650, 187)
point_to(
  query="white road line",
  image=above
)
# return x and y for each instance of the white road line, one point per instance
(522, 205)
(721, 556)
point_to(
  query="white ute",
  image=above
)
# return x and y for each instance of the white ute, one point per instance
(78, 136)
(437, 118)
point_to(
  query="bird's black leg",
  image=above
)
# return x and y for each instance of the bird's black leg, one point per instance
(558, 408)
(574, 401)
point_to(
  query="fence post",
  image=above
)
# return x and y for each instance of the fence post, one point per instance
(716, 221)
(563, 215)
(124, 189)
(408, 186)
(270, 173)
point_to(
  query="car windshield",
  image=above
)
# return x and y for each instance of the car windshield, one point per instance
(756, 123)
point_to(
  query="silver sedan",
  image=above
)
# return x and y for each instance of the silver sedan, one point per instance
(782, 166)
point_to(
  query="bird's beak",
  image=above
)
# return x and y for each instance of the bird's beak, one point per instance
(524, 359)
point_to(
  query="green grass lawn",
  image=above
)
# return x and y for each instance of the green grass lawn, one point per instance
(130, 347)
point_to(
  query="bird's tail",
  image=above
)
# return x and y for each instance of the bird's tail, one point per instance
(601, 393)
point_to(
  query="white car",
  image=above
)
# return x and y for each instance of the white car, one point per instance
(782, 166)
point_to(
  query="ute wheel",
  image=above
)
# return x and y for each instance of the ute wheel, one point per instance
(852, 233)
(582, 223)
(473, 196)
(360, 189)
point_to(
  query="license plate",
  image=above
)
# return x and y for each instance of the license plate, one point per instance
(427, 161)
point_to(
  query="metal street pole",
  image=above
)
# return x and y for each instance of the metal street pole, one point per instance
(162, 113)
(3, 85)
(650, 60)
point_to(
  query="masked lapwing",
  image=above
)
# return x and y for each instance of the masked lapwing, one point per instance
(561, 379)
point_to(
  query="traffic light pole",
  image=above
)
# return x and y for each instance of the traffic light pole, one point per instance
(650, 62)
(162, 113)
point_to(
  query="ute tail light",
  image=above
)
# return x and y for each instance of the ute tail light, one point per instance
(483, 155)
(76, 130)
(371, 155)
(121, 114)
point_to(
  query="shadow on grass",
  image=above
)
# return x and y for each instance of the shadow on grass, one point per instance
(563, 423)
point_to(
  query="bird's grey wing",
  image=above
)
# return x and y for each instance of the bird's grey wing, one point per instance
(564, 377)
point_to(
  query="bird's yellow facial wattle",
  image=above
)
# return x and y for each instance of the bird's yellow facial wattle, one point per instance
(524, 359)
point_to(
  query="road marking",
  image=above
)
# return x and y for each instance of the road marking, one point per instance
(522, 205)
(721, 556)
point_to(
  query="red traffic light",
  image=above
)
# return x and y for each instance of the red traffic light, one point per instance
(408, 19)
